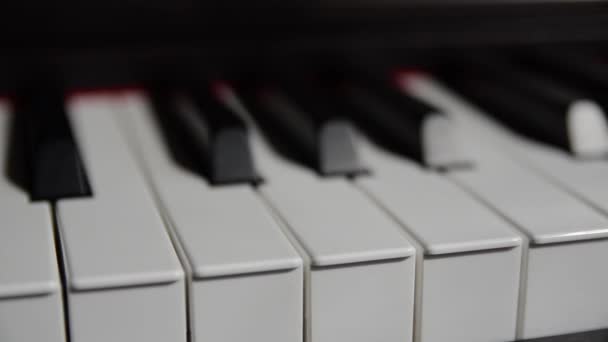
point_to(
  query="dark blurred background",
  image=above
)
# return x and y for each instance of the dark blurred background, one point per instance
(113, 42)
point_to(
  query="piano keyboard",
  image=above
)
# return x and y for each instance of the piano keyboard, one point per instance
(466, 202)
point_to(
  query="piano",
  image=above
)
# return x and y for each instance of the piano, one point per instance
(304, 172)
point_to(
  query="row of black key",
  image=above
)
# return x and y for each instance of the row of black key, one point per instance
(311, 121)
(305, 121)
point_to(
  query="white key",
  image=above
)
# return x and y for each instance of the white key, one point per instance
(245, 278)
(31, 307)
(468, 263)
(584, 179)
(566, 280)
(124, 278)
(359, 266)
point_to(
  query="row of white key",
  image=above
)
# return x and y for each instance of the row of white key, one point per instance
(122, 279)
(358, 265)
(246, 280)
(328, 222)
(300, 256)
(564, 288)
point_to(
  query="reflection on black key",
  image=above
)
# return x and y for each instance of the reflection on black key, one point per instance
(304, 119)
(219, 136)
(532, 105)
(55, 168)
(404, 124)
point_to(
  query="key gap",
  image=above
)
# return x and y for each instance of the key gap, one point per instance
(62, 270)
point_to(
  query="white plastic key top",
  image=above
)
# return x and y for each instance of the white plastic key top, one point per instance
(31, 307)
(468, 265)
(124, 279)
(359, 266)
(245, 278)
(564, 286)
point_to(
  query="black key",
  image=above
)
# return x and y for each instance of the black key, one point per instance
(404, 124)
(532, 105)
(216, 134)
(301, 116)
(583, 70)
(55, 167)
